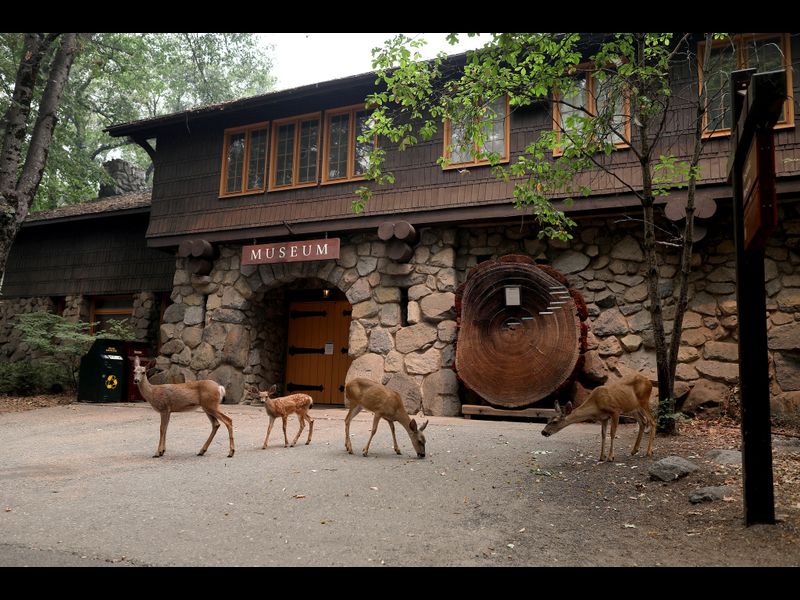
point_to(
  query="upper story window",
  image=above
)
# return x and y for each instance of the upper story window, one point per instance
(495, 127)
(244, 160)
(295, 152)
(592, 96)
(345, 158)
(761, 51)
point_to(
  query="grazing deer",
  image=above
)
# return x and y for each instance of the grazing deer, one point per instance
(283, 407)
(630, 395)
(168, 398)
(386, 404)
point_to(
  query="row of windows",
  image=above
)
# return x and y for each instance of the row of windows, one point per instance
(764, 52)
(296, 144)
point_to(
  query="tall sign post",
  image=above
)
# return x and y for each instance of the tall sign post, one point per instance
(757, 104)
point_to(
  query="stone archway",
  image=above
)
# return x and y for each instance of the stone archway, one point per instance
(211, 331)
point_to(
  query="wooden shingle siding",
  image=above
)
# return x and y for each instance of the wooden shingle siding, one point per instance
(186, 198)
(103, 256)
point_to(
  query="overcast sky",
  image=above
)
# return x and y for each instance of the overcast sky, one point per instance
(303, 58)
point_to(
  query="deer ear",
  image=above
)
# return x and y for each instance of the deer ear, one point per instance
(273, 389)
(568, 408)
(424, 425)
(413, 425)
(557, 407)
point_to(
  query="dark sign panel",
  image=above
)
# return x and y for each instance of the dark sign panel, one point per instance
(758, 186)
(282, 252)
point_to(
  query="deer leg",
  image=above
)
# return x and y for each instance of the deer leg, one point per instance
(603, 424)
(310, 428)
(614, 423)
(375, 422)
(162, 438)
(228, 422)
(214, 427)
(285, 439)
(651, 419)
(354, 410)
(299, 431)
(269, 430)
(639, 419)
(394, 439)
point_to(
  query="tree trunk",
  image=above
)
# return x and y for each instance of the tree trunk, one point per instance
(17, 193)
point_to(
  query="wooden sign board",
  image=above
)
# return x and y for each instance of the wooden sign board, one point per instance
(758, 187)
(283, 252)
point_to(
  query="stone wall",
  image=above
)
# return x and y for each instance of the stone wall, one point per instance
(226, 328)
(144, 319)
(605, 261)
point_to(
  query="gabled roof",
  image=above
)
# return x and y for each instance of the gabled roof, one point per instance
(133, 202)
(141, 127)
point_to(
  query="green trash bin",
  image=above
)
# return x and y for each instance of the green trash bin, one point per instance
(103, 374)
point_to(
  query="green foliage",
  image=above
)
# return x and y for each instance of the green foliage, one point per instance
(119, 330)
(61, 341)
(29, 378)
(611, 90)
(122, 77)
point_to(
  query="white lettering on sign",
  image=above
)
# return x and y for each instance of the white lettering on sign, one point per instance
(291, 251)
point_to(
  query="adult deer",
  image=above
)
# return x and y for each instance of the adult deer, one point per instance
(168, 398)
(385, 404)
(283, 407)
(630, 395)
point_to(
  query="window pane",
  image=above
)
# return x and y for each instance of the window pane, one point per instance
(766, 55)
(284, 154)
(235, 159)
(570, 108)
(103, 321)
(610, 102)
(494, 128)
(258, 159)
(309, 134)
(337, 146)
(113, 303)
(362, 148)
(716, 79)
(460, 148)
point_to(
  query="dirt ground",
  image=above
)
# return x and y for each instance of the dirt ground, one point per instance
(662, 526)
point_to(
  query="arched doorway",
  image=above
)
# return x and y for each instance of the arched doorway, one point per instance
(302, 330)
(317, 344)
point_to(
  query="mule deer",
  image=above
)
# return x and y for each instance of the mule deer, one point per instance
(283, 407)
(630, 395)
(168, 398)
(385, 404)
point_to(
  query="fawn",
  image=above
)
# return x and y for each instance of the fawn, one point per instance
(283, 407)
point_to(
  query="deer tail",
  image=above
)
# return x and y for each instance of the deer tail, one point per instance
(221, 394)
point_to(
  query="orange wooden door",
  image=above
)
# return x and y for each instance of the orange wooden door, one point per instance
(316, 363)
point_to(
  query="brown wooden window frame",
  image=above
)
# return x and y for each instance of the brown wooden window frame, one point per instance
(297, 121)
(475, 162)
(94, 311)
(740, 52)
(351, 144)
(591, 94)
(247, 130)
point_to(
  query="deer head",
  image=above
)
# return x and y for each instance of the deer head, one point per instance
(417, 439)
(558, 422)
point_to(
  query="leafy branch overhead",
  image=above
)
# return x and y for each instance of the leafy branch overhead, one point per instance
(602, 100)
